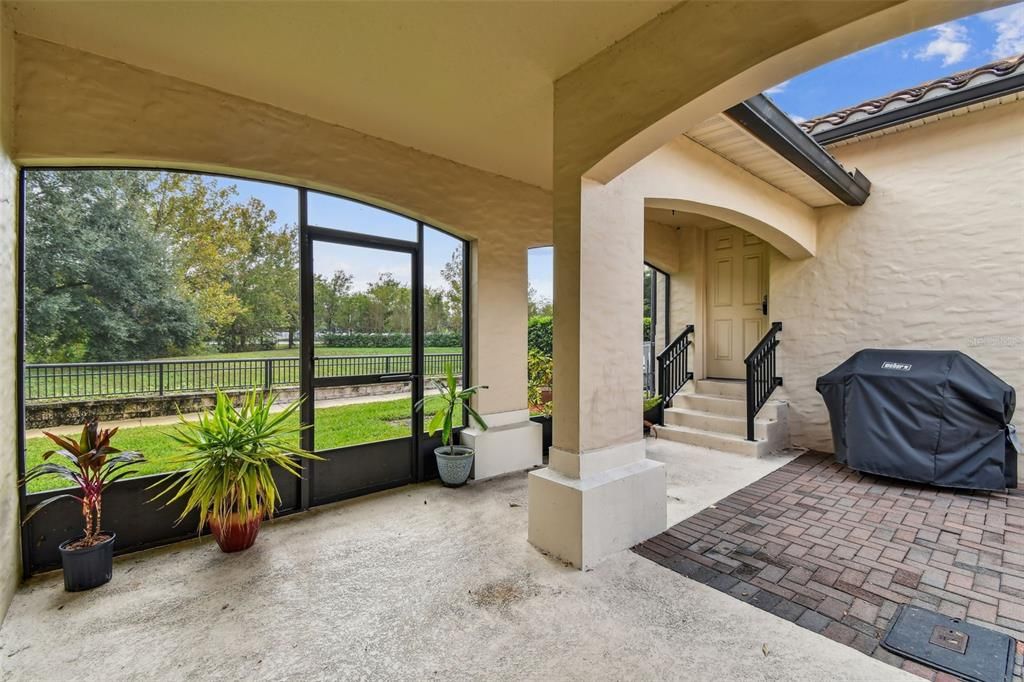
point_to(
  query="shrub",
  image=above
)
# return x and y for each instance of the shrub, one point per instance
(540, 373)
(647, 329)
(539, 334)
(396, 340)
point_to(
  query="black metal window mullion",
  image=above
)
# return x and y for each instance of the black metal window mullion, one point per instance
(26, 537)
(306, 359)
(465, 323)
(416, 369)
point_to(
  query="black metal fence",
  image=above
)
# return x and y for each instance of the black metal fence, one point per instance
(85, 380)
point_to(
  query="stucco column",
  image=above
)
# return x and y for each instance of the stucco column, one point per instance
(498, 325)
(10, 530)
(599, 494)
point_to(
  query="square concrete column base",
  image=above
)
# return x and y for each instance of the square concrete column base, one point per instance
(582, 520)
(512, 443)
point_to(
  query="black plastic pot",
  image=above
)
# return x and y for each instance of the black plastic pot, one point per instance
(545, 422)
(655, 415)
(87, 568)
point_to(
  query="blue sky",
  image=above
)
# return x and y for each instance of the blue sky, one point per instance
(903, 62)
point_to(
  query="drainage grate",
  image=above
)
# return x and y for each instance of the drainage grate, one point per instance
(949, 644)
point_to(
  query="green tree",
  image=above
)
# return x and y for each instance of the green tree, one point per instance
(452, 273)
(96, 283)
(390, 305)
(538, 305)
(240, 271)
(206, 230)
(266, 283)
(332, 303)
(436, 313)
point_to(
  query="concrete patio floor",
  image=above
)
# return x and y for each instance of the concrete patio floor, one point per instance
(416, 583)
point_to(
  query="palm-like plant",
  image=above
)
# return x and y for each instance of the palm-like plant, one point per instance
(454, 400)
(232, 452)
(92, 464)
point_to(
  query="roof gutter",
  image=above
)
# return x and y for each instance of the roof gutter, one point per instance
(954, 100)
(762, 119)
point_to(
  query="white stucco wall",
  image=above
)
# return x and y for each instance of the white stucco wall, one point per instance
(10, 551)
(933, 260)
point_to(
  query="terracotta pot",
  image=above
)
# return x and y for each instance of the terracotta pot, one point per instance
(235, 533)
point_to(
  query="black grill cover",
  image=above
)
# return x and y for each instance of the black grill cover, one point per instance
(934, 417)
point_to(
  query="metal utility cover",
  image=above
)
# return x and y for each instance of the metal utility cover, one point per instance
(951, 645)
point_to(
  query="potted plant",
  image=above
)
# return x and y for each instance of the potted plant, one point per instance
(454, 462)
(232, 452)
(653, 412)
(92, 464)
(540, 375)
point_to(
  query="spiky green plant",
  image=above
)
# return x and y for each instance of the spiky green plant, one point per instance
(651, 400)
(454, 399)
(232, 452)
(92, 464)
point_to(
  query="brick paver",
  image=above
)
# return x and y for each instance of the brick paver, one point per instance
(836, 551)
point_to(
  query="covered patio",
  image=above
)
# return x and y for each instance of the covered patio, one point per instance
(631, 135)
(420, 582)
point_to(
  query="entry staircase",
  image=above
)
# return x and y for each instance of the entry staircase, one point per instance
(733, 416)
(714, 415)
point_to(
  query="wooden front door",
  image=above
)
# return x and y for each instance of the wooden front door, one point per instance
(737, 289)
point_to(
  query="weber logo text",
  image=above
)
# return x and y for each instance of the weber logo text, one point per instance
(898, 366)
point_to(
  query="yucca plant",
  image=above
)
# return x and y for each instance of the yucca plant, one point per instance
(454, 400)
(454, 462)
(229, 479)
(91, 463)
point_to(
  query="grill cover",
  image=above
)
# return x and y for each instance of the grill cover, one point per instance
(935, 417)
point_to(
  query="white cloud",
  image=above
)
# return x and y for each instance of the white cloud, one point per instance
(776, 89)
(1009, 27)
(797, 119)
(950, 42)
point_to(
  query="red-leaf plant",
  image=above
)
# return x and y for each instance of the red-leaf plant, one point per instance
(92, 464)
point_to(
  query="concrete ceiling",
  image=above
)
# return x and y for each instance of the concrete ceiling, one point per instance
(469, 81)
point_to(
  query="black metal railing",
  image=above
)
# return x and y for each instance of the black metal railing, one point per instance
(761, 376)
(674, 366)
(82, 380)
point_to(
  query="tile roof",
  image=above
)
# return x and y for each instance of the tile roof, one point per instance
(939, 87)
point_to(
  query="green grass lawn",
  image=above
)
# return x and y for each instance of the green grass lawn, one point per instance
(319, 351)
(335, 427)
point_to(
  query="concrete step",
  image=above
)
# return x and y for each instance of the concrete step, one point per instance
(725, 407)
(724, 389)
(709, 421)
(715, 441)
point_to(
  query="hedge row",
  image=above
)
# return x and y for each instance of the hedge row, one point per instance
(430, 340)
(539, 333)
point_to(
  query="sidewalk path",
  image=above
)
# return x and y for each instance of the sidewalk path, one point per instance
(166, 420)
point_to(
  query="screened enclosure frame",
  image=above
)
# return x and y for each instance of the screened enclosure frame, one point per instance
(140, 525)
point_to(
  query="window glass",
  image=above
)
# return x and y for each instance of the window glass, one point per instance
(352, 216)
(443, 305)
(148, 289)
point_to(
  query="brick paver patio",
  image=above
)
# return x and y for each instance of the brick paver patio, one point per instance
(837, 551)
